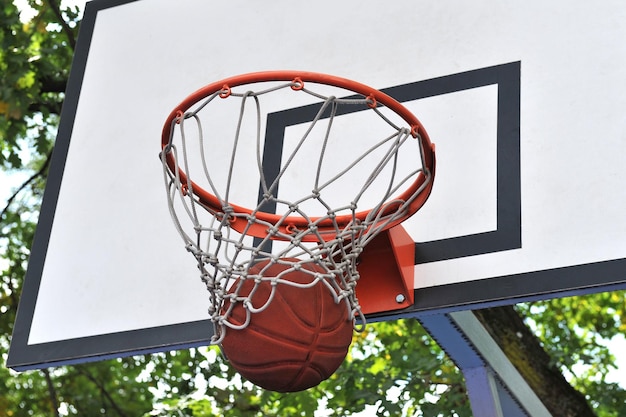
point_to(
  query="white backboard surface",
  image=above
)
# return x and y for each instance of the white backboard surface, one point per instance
(524, 102)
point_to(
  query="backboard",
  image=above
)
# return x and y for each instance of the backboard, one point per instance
(524, 103)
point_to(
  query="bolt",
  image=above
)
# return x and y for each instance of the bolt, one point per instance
(400, 298)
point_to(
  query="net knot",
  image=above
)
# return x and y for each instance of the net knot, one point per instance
(212, 259)
(209, 283)
(354, 251)
(195, 251)
(227, 215)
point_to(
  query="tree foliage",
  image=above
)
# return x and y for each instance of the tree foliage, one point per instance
(576, 333)
(393, 368)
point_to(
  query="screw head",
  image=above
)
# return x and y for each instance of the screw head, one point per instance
(400, 298)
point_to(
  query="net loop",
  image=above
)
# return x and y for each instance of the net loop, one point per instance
(297, 84)
(225, 92)
(291, 229)
(371, 102)
(179, 116)
(317, 230)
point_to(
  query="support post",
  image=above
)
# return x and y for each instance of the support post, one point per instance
(494, 386)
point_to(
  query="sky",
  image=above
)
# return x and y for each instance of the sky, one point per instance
(26, 10)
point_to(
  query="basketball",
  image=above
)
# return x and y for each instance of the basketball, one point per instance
(298, 341)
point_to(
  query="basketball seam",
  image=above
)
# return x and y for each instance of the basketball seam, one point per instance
(317, 328)
(306, 362)
(280, 338)
(319, 288)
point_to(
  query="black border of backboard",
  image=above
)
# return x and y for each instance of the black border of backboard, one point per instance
(572, 280)
(508, 232)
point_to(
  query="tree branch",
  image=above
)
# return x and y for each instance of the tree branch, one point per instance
(66, 28)
(526, 353)
(52, 392)
(52, 85)
(103, 390)
(52, 107)
(25, 184)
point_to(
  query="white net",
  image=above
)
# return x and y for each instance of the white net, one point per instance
(315, 193)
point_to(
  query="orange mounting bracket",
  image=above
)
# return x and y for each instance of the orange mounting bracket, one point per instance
(387, 270)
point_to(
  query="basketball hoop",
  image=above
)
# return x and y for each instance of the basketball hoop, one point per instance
(315, 231)
(413, 197)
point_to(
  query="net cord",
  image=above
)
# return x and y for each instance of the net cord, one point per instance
(224, 257)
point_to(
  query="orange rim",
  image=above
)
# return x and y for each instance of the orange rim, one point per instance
(296, 223)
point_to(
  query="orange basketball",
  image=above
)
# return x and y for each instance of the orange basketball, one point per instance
(297, 342)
